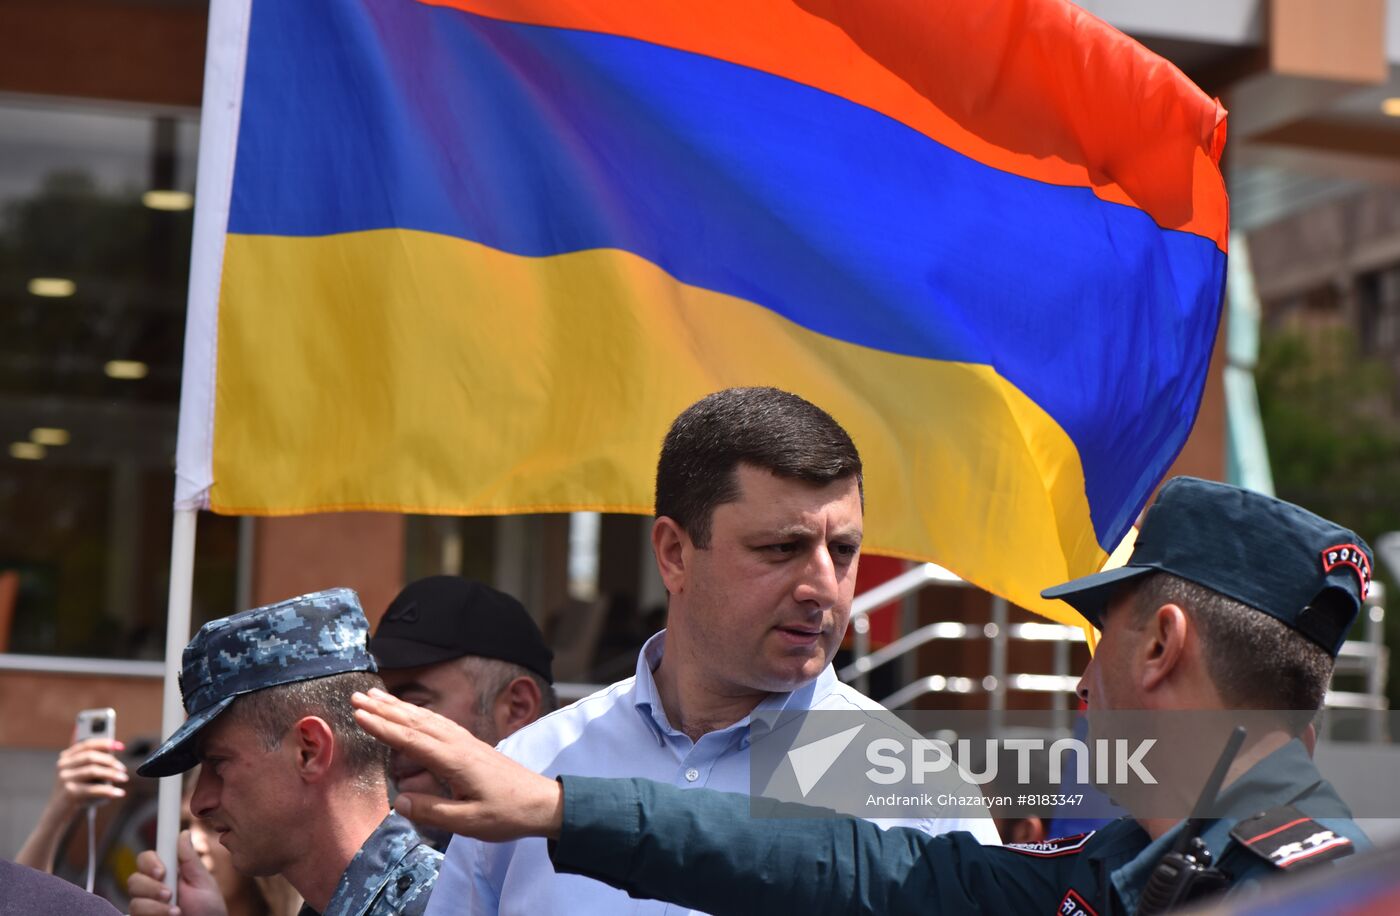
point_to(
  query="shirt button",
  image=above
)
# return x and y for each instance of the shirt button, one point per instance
(692, 774)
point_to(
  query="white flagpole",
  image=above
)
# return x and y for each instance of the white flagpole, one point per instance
(177, 633)
(225, 58)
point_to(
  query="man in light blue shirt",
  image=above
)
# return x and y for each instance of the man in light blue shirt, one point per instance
(760, 511)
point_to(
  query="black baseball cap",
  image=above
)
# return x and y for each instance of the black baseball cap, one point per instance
(445, 617)
(1278, 558)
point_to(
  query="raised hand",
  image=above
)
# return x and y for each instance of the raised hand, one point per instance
(87, 773)
(493, 797)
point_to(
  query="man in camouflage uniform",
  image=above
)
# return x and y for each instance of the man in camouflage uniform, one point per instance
(290, 783)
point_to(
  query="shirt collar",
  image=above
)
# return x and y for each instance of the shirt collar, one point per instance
(647, 698)
(1278, 779)
(372, 866)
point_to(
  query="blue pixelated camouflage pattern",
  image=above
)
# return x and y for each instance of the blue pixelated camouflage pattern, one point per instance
(392, 875)
(299, 639)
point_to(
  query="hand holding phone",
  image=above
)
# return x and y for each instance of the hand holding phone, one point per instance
(88, 771)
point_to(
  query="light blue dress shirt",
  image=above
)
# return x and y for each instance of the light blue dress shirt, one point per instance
(622, 731)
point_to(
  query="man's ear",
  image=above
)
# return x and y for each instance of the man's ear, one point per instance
(519, 704)
(314, 745)
(1163, 646)
(671, 545)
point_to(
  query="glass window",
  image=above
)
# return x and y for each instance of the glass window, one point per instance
(95, 225)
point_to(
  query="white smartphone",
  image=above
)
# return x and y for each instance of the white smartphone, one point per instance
(97, 723)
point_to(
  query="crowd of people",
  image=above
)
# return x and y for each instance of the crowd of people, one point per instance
(302, 727)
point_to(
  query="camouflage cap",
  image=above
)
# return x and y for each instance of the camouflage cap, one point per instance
(299, 639)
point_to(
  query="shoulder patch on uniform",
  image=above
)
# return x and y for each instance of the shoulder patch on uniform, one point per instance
(1060, 846)
(1074, 905)
(1287, 838)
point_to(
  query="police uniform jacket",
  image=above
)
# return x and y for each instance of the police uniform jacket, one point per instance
(705, 850)
(393, 873)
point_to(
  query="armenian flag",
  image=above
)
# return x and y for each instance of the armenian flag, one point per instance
(473, 256)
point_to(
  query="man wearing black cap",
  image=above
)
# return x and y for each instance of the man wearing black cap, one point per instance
(467, 652)
(1231, 601)
(287, 781)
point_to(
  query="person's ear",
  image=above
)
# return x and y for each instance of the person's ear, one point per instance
(313, 745)
(1163, 646)
(670, 544)
(519, 704)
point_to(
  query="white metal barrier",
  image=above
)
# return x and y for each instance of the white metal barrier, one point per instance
(1367, 658)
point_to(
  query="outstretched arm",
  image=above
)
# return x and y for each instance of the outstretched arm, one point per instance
(701, 849)
(724, 853)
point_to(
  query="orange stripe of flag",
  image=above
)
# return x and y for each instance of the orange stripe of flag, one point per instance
(1037, 88)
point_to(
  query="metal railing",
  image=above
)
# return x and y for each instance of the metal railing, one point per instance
(60, 664)
(1367, 658)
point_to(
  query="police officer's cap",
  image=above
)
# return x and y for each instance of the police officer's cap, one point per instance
(1275, 557)
(300, 639)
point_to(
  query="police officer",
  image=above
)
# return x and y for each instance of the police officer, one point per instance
(288, 781)
(1231, 600)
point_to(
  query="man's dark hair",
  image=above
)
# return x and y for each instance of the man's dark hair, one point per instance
(764, 427)
(1256, 661)
(272, 711)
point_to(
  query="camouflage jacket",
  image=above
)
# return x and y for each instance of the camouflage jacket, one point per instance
(392, 875)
